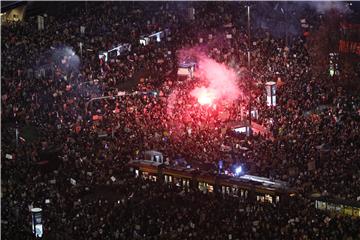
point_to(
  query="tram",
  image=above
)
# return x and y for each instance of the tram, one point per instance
(245, 187)
(337, 206)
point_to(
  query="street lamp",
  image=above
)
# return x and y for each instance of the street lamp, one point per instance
(248, 28)
(81, 49)
(249, 66)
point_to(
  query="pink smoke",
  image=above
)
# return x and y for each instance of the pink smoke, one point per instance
(221, 82)
(204, 95)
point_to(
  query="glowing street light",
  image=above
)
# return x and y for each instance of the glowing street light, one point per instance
(238, 171)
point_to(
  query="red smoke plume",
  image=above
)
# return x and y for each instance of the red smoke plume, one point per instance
(221, 82)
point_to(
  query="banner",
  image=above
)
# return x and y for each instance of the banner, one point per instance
(350, 26)
(349, 47)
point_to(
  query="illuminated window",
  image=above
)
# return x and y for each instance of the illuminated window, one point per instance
(331, 207)
(177, 181)
(339, 207)
(320, 205)
(202, 186)
(246, 193)
(260, 198)
(348, 210)
(136, 173)
(145, 175)
(186, 183)
(356, 212)
(268, 198)
(235, 191)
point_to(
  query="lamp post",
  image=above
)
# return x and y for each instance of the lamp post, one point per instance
(81, 49)
(249, 66)
(285, 15)
(37, 226)
(248, 29)
(17, 136)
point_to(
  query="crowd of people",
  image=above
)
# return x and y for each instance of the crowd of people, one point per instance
(315, 121)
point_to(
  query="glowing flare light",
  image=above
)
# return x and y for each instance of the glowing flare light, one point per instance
(204, 96)
(205, 99)
(220, 80)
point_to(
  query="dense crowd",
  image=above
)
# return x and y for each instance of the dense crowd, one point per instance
(315, 121)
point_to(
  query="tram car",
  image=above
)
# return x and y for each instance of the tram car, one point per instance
(246, 186)
(337, 206)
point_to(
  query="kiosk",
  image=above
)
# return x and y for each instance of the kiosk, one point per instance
(271, 94)
(36, 217)
(186, 69)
